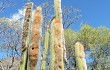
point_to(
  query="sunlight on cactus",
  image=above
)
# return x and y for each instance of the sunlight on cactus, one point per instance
(80, 56)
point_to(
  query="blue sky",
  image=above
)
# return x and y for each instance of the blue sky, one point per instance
(94, 13)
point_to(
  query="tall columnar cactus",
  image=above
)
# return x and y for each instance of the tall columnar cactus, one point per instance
(45, 45)
(52, 50)
(25, 36)
(58, 15)
(31, 43)
(59, 65)
(80, 56)
(58, 34)
(35, 39)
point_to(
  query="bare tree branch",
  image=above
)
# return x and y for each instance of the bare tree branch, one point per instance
(4, 5)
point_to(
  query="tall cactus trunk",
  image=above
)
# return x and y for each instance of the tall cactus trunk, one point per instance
(59, 65)
(58, 15)
(35, 39)
(80, 56)
(58, 34)
(25, 37)
(52, 50)
(45, 44)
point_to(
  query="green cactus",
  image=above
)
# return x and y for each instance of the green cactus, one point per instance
(57, 9)
(25, 37)
(23, 64)
(80, 56)
(52, 51)
(31, 43)
(46, 42)
(59, 41)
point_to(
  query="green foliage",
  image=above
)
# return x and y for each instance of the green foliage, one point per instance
(93, 37)
(88, 36)
(95, 41)
(70, 38)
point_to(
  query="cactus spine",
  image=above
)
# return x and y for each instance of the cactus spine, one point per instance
(35, 39)
(80, 56)
(25, 37)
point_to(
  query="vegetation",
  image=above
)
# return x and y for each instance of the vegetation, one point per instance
(96, 43)
(88, 44)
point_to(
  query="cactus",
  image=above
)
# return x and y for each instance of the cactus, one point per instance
(58, 46)
(52, 51)
(58, 15)
(31, 40)
(25, 37)
(34, 46)
(46, 42)
(23, 63)
(58, 34)
(80, 56)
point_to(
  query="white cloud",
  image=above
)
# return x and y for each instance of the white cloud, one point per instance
(20, 14)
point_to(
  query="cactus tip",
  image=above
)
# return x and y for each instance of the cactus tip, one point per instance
(77, 43)
(39, 8)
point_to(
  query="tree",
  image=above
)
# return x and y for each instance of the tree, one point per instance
(4, 5)
(95, 41)
(10, 38)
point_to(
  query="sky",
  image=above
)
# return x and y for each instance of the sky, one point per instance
(94, 13)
